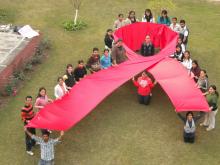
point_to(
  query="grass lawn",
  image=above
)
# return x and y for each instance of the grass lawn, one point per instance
(119, 131)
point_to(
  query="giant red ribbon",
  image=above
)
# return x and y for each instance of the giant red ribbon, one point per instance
(84, 97)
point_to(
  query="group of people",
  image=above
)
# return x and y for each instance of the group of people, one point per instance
(114, 54)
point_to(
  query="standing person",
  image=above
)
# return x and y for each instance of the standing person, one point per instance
(212, 98)
(174, 25)
(144, 85)
(93, 63)
(180, 43)
(41, 101)
(80, 71)
(106, 60)
(178, 55)
(46, 146)
(131, 18)
(202, 82)
(164, 19)
(184, 32)
(27, 114)
(195, 70)
(120, 22)
(60, 89)
(109, 38)
(187, 61)
(118, 53)
(147, 48)
(69, 77)
(189, 127)
(148, 16)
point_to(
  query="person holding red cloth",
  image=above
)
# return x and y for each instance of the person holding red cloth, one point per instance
(144, 85)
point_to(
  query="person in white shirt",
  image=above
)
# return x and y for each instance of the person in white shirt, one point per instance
(119, 22)
(187, 61)
(180, 42)
(175, 26)
(184, 32)
(148, 16)
(60, 89)
(131, 18)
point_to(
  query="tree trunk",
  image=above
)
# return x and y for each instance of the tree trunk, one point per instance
(76, 16)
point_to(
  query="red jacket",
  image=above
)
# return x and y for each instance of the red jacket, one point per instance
(144, 86)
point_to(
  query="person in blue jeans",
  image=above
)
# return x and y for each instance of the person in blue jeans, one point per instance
(106, 59)
(190, 126)
(164, 19)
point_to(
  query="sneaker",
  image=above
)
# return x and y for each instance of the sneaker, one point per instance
(209, 129)
(30, 153)
(201, 124)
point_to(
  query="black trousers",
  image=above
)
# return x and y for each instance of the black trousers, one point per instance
(189, 137)
(30, 142)
(144, 99)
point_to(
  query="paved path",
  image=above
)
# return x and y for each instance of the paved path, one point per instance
(10, 45)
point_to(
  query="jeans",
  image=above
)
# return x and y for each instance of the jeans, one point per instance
(144, 99)
(30, 142)
(46, 162)
(189, 137)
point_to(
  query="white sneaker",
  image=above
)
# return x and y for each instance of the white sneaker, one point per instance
(201, 124)
(209, 129)
(30, 153)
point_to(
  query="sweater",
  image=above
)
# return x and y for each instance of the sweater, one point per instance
(108, 41)
(144, 85)
(60, 91)
(79, 73)
(27, 113)
(94, 63)
(212, 100)
(70, 81)
(105, 61)
(165, 21)
(118, 54)
(147, 49)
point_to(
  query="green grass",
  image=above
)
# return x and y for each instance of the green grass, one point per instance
(119, 131)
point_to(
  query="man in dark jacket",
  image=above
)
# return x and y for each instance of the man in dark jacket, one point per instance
(147, 48)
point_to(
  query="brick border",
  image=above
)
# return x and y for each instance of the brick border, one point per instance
(18, 62)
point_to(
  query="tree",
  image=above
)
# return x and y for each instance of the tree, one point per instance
(157, 5)
(76, 5)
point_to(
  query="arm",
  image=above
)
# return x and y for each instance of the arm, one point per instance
(181, 117)
(61, 135)
(196, 118)
(135, 82)
(56, 92)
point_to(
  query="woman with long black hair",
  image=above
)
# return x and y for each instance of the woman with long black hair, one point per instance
(148, 16)
(164, 19)
(212, 98)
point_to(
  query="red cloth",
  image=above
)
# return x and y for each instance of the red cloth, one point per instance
(144, 85)
(64, 113)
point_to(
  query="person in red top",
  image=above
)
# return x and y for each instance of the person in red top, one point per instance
(27, 114)
(144, 85)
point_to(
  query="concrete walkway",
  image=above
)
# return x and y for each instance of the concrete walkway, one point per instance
(10, 45)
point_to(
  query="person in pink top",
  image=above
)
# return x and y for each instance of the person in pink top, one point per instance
(42, 99)
(144, 85)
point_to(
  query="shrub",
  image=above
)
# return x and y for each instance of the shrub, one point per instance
(70, 26)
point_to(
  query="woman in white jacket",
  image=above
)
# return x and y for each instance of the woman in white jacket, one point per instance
(187, 61)
(60, 89)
